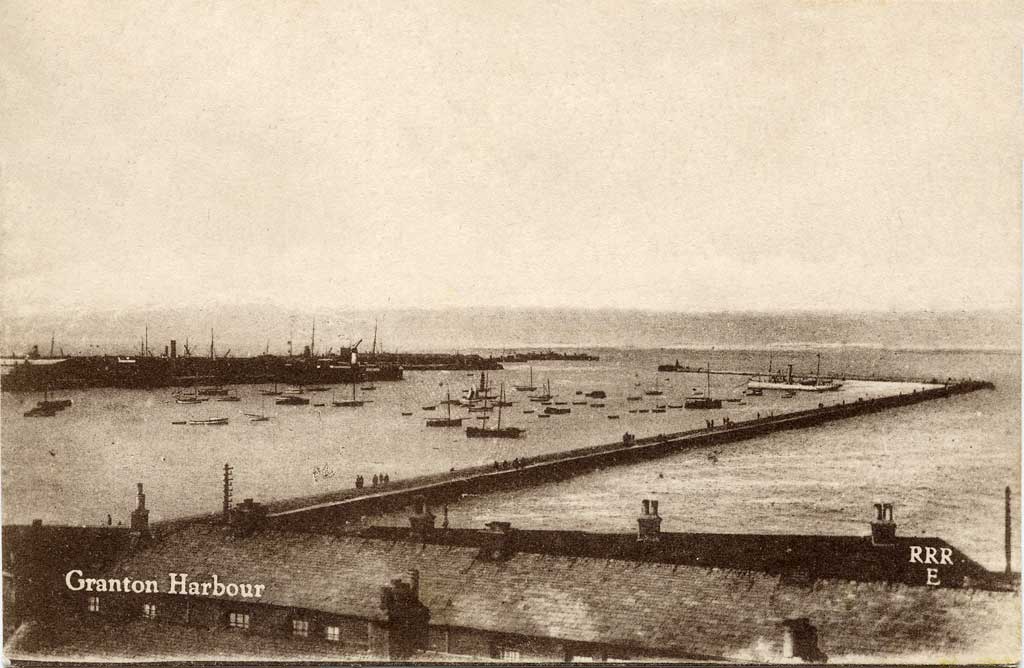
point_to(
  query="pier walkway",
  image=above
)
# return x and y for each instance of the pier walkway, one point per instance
(333, 511)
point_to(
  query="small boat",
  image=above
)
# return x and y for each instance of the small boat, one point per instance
(213, 391)
(497, 432)
(40, 412)
(705, 402)
(597, 405)
(543, 415)
(348, 403)
(407, 413)
(528, 387)
(318, 405)
(788, 394)
(633, 398)
(754, 392)
(547, 396)
(317, 389)
(675, 405)
(597, 394)
(480, 409)
(53, 404)
(632, 410)
(189, 400)
(644, 410)
(561, 403)
(209, 422)
(368, 388)
(292, 400)
(613, 417)
(258, 417)
(529, 410)
(230, 397)
(429, 408)
(552, 410)
(579, 403)
(179, 422)
(294, 390)
(657, 410)
(445, 421)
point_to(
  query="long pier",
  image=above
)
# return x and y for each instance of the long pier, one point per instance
(435, 490)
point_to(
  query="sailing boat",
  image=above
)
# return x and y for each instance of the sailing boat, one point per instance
(526, 388)
(497, 432)
(349, 403)
(547, 396)
(445, 421)
(261, 416)
(705, 402)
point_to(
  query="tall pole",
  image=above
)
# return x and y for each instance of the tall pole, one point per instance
(227, 493)
(1009, 531)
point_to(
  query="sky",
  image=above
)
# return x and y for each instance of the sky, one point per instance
(652, 155)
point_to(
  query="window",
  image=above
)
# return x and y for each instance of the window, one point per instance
(238, 620)
(333, 633)
(149, 610)
(300, 628)
(506, 654)
(94, 604)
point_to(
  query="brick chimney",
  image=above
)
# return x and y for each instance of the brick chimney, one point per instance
(140, 516)
(422, 520)
(499, 541)
(883, 529)
(649, 522)
(405, 630)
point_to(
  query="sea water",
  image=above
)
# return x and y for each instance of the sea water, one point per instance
(943, 463)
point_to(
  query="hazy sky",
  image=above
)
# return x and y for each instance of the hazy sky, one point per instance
(664, 155)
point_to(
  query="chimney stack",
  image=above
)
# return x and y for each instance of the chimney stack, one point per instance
(649, 522)
(140, 516)
(883, 529)
(422, 520)
(499, 541)
(247, 517)
(174, 349)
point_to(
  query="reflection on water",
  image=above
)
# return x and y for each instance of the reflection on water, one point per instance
(943, 463)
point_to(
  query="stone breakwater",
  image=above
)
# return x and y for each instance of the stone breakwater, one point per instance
(333, 515)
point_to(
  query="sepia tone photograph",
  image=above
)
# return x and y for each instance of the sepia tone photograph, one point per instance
(657, 332)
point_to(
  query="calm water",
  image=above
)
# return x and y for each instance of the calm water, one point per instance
(944, 463)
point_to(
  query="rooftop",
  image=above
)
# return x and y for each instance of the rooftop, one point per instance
(691, 610)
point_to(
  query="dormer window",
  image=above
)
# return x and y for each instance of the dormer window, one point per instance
(149, 610)
(94, 604)
(332, 633)
(300, 628)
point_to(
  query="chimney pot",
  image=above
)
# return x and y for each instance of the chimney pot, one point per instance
(883, 529)
(649, 523)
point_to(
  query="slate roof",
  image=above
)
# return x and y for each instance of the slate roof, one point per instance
(681, 610)
(802, 556)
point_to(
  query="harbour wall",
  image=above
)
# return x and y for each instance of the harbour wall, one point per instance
(560, 466)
